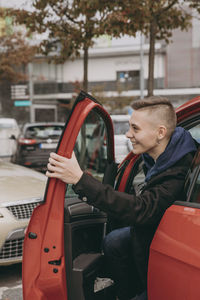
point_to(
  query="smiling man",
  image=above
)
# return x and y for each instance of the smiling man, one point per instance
(167, 152)
(151, 126)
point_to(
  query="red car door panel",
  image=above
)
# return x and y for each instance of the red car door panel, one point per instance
(44, 275)
(174, 262)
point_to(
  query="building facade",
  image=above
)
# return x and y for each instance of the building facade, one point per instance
(118, 69)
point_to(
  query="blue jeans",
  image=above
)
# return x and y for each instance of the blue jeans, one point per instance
(142, 296)
(118, 253)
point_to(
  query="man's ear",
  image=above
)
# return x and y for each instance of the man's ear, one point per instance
(162, 131)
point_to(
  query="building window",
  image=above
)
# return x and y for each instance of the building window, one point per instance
(125, 76)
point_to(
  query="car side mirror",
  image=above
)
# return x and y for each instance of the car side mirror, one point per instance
(12, 137)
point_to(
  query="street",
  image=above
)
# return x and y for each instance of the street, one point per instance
(10, 282)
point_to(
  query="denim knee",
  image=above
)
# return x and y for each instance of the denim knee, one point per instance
(117, 242)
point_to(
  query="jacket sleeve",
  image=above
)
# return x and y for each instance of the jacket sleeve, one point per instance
(147, 208)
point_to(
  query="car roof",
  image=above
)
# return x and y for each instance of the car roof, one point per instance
(8, 121)
(43, 124)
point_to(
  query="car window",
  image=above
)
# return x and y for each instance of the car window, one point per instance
(195, 132)
(91, 148)
(7, 125)
(43, 131)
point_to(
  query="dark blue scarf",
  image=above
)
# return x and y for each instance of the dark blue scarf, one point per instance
(179, 145)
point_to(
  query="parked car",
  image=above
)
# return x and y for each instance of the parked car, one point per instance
(122, 144)
(22, 190)
(9, 133)
(65, 234)
(36, 142)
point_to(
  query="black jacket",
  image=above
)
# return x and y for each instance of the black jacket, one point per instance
(144, 212)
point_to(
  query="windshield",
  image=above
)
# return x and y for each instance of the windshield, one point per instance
(7, 126)
(48, 131)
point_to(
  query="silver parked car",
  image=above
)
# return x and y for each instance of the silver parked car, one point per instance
(22, 189)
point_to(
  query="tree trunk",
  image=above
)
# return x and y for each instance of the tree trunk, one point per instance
(6, 103)
(85, 70)
(152, 37)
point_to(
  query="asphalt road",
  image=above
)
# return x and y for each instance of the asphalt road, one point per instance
(10, 282)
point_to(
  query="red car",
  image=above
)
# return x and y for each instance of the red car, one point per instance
(62, 249)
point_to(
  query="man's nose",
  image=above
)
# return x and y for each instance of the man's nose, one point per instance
(129, 134)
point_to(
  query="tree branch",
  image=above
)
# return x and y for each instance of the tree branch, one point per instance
(162, 11)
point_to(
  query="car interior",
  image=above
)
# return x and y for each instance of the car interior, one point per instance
(84, 225)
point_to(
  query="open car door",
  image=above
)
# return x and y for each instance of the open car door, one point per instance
(174, 261)
(58, 267)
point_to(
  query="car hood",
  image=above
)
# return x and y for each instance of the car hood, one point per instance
(19, 183)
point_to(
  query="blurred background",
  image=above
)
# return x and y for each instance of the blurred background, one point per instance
(117, 53)
(51, 50)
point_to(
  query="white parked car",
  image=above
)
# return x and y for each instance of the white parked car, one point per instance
(9, 132)
(22, 189)
(122, 144)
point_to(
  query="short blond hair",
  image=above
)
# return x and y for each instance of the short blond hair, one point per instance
(160, 106)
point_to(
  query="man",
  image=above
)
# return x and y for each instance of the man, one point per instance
(167, 153)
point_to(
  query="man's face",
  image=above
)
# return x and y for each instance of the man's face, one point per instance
(143, 132)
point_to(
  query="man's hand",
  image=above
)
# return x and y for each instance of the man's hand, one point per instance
(65, 169)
